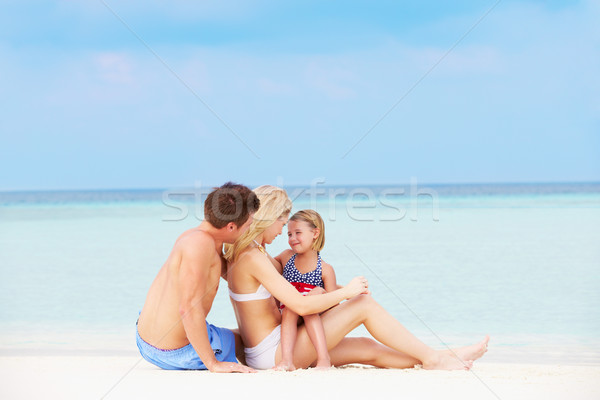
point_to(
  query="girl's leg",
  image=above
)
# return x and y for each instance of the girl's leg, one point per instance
(316, 333)
(289, 329)
(339, 321)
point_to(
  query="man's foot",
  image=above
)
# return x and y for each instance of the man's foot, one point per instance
(447, 362)
(472, 352)
(284, 366)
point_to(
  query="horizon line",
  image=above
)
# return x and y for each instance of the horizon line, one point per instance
(140, 189)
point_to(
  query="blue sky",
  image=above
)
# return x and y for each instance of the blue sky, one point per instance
(287, 92)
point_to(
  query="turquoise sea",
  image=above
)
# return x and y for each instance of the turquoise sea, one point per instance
(452, 262)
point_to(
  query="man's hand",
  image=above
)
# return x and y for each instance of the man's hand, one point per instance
(226, 367)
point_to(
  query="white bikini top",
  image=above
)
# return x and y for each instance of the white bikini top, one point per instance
(260, 294)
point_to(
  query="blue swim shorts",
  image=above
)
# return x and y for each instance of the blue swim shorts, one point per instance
(221, 340)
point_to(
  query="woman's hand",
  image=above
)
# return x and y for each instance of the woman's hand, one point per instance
(358, 285)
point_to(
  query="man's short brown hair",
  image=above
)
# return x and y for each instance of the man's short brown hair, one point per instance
(230, 203)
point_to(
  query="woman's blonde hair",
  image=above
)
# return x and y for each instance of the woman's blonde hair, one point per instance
(274, 203)
(316, 222)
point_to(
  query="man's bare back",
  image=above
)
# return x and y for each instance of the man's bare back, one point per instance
(160, 322)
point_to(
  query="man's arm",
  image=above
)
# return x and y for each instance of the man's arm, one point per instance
(193, 275)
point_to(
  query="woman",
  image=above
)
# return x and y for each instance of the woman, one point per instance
(255, 281)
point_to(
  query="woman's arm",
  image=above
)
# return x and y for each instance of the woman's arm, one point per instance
(263, 271)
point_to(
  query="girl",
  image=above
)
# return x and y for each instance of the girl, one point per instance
(309, 274)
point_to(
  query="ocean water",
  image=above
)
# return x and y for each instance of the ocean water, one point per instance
(518, 262)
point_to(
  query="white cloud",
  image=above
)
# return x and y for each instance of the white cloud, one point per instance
(332, 81)
(114, 68)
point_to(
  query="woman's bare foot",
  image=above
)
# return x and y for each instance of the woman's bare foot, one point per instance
(447, 362)
(472, 352)
(284, 366)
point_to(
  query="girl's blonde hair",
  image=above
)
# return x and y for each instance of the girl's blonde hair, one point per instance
(316, 222)
(274, 203)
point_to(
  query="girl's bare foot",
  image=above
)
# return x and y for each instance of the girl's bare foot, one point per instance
(472, 352)
(323, 364)
(285, 366)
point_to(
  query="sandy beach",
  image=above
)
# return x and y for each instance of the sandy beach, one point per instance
(125, 377)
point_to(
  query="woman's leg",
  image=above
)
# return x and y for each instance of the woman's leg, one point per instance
(339, 321)
(472, 352)
(367, 351)
(289, 330)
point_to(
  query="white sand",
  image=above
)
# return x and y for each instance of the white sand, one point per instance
(129, 377)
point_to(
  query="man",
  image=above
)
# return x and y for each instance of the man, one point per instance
(172, 331)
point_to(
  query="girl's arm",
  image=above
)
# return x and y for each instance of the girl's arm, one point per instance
(282, 259)
(263, 271)
(328, 275)
(276, 263)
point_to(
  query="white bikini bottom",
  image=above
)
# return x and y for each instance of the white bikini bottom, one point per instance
(262, 356)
